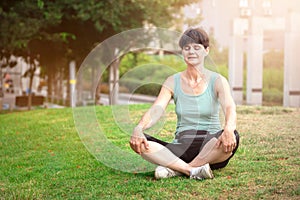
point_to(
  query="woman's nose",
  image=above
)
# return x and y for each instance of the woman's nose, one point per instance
(191, 50)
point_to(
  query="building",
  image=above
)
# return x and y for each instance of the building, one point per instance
(219, 15)
(254, 27)
(16, 73)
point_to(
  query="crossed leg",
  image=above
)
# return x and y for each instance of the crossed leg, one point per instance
(160, 155)
(210, 154)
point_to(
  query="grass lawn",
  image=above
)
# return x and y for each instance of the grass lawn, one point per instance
(43, 157)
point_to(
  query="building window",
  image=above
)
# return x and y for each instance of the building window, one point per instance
(267, 7)
(266, 4)
(244, 4)
(245, 11)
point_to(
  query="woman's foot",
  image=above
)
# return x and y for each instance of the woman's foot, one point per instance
(165, 172)
(203, 172)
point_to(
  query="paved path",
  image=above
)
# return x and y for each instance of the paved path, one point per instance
(9, 100)
(125, 99)
(9, 103)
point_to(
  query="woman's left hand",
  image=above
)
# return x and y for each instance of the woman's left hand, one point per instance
(227, 140)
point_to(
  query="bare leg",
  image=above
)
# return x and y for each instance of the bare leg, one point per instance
(210, 154)
(160, 155)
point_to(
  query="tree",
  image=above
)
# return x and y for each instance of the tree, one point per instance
(65, 30)
(23, 22)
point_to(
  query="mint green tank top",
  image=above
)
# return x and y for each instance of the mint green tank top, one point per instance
(197, 112)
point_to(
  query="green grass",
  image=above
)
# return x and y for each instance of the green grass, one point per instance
(42, 157)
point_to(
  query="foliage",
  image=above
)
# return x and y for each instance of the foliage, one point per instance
(59, 31)
(273, 59)
(273, 76)
(76, 24)
(42, 157)
(273, 85)
(144, 74)
(218, 55)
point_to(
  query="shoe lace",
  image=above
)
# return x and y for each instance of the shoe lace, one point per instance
(171, 172)
(197, 176)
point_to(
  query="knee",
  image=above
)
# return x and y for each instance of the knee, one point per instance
(152, 148)
(139, 148)
(144, 149)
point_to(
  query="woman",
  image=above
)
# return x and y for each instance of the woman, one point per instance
(199, 145)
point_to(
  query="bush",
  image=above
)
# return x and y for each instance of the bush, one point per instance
(146, 79)
(151, 89)
(131, 84)
(141, 87)
(274, 59)
(273, 77)
(273, 96)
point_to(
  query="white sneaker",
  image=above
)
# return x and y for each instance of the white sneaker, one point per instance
(164, 172)
(203, 172)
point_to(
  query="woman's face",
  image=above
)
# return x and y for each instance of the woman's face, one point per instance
(194, 54)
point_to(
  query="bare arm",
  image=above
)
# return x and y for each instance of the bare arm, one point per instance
(227, 138)
(151, 116)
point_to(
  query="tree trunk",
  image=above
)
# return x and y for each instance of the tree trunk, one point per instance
(49, 83)
(98, 93)
(114, 82)
(30, 87)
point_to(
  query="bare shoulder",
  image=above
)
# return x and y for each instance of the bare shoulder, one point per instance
(221, 85)
(169, 83)
(221, 80)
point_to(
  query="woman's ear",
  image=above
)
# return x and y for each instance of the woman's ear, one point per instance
(206, 51)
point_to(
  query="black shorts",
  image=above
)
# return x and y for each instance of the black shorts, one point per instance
(191, 142)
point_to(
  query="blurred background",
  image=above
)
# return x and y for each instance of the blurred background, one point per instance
(254, 43)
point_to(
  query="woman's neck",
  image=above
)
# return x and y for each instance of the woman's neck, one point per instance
(195, 72)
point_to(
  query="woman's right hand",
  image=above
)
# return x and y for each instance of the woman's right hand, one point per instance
(138, 140)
